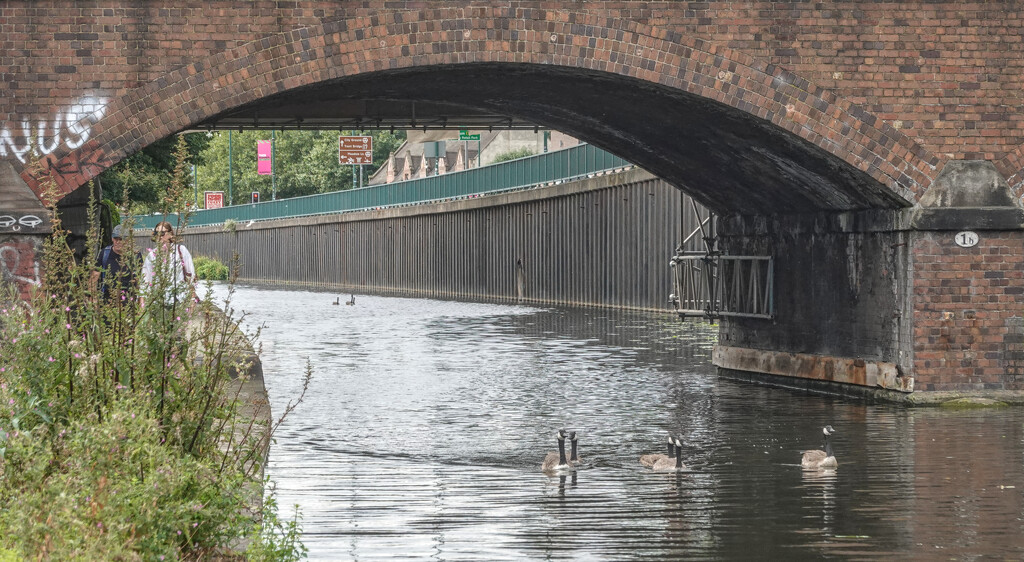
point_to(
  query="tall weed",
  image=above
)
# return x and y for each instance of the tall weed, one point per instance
(120, 434)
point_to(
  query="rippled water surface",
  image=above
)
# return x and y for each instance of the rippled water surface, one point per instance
(425, 425)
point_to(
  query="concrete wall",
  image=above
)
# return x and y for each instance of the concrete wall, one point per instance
(842, 293)
(842, 300)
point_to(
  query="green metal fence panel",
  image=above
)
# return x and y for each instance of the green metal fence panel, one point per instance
(522, 173)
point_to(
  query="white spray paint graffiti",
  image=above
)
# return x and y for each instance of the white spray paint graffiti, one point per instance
(71, 127)
(10, 262)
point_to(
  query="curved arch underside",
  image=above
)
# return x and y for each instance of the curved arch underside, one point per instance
(741, 135)
(727, 159)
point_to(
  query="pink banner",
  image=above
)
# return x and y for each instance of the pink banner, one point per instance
(263, 150)
(264, 153)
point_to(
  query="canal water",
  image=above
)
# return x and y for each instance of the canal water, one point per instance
(423, 431)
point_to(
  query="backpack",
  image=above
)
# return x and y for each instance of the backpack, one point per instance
(105, 259)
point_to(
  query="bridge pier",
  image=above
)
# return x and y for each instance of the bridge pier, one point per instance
(921, 299)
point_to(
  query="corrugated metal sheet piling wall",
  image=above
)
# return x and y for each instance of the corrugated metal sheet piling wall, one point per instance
(604, 241)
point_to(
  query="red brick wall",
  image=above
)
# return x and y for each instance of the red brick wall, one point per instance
(946, 75)
(969, 312)
(19, 262)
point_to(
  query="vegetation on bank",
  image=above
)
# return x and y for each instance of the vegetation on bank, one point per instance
(209, 269)
(120, 435)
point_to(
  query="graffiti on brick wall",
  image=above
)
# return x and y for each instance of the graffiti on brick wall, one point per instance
(16, 222)
(18, 263)
(70, 127)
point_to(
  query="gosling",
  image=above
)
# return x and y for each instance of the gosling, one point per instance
(818, 459)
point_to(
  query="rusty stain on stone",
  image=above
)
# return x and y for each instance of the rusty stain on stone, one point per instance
(846, 370)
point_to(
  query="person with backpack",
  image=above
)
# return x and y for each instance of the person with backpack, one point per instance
(114, 276)
(167, 268)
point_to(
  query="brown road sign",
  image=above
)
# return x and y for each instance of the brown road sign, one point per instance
(355, 150)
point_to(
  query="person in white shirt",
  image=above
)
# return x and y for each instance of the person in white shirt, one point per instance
(168, 268)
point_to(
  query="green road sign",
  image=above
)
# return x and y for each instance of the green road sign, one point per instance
(464, 135)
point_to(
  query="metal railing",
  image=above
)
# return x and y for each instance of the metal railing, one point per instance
(523, 173)
(713, 286)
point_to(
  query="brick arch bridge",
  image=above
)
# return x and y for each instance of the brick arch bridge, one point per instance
(850, 142)
(738, 132)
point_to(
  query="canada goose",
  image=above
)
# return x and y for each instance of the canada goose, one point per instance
(337, 300)
(649, 460)
(351, 301)
(574, 459)
(557, 461)
(813, 460)
(672, 465)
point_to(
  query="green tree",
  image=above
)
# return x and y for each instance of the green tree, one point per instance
(514, 154)
(145, 175)
(306, 163)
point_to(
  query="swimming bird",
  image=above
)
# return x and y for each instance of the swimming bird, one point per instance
(574, 459)
(557, 461)
(672, 465)
(337, 300)
(817, 459)
(649, 460)
(351, 301)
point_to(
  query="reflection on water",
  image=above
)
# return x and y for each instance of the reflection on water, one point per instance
(424, 429)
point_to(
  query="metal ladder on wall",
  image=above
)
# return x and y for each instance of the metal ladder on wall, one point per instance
(711, 285)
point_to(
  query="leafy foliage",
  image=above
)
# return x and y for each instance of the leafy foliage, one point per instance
(306, 163)
(120, 438)
(512, 155)
(209, 269)
(140, 180)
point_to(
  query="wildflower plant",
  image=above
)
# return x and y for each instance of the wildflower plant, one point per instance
(121, 435)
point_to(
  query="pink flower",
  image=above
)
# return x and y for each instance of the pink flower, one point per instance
(51, 359)
(68, 326)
